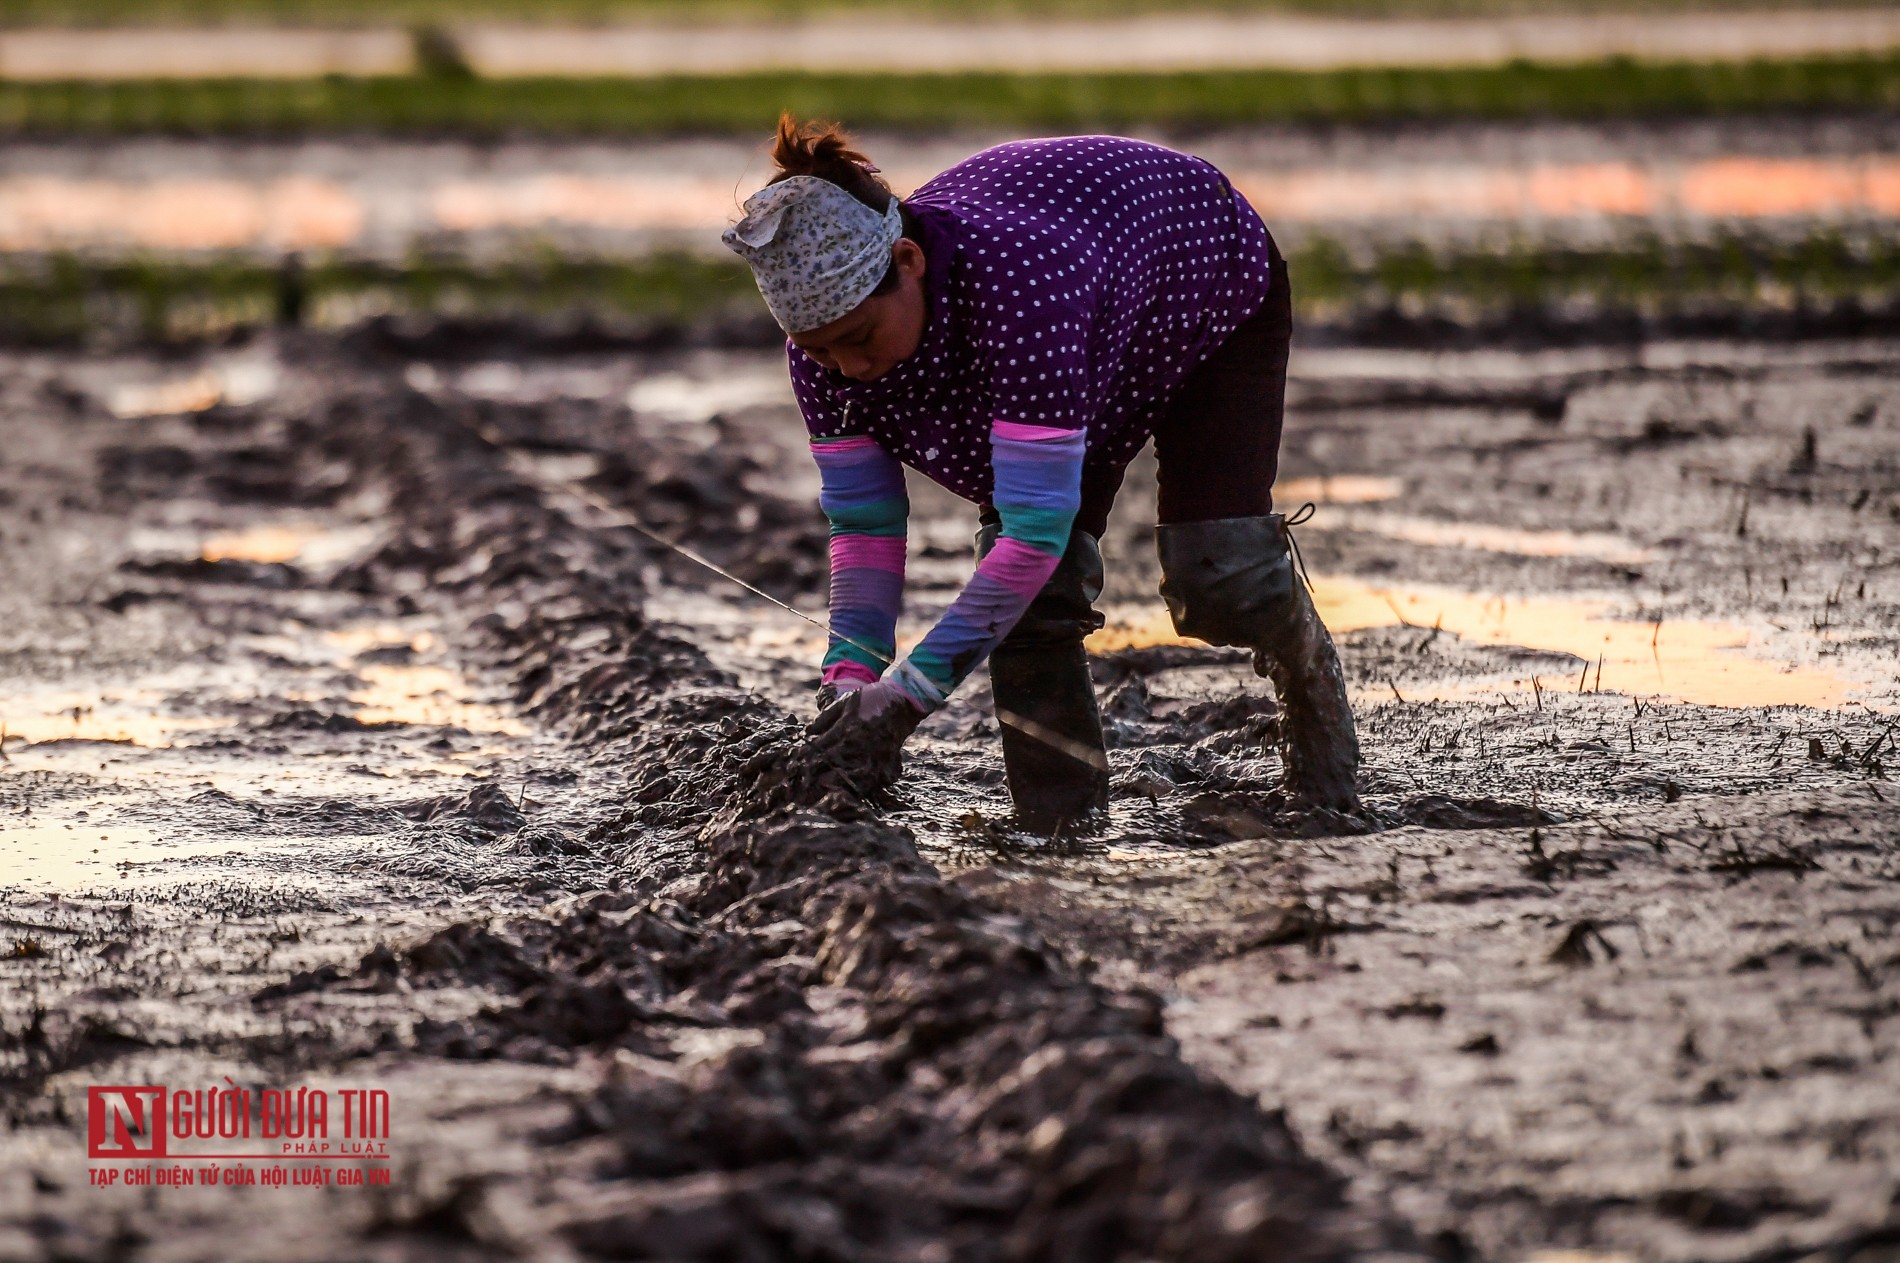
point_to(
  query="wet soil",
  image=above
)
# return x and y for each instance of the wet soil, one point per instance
(407, 769)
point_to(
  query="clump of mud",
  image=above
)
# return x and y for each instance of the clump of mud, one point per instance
(725, 755)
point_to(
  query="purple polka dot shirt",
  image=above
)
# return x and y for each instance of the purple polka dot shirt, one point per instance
(1072, 285)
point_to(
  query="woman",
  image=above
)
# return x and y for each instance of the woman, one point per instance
(1016, 330)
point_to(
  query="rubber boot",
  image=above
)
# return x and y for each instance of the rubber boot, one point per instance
(1232, 582)
(1054, 757)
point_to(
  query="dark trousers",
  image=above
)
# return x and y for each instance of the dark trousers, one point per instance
(1218, 447)
(1218, 443)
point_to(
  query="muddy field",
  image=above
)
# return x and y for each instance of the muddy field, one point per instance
(342, 745)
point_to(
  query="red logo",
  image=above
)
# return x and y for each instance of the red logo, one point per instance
(125, 1122)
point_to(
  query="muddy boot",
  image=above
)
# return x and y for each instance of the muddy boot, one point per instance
(1053, 753)
(1232, 582)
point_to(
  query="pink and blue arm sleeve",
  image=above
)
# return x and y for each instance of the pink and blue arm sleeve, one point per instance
(1038, 489)
(862, 494)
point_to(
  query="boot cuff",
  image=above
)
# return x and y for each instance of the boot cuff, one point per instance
(1218, 578)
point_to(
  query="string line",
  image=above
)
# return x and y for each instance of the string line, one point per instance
(525, 466)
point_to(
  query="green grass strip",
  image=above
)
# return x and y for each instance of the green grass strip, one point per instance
(748, 103)
(69, 300)
(66, 299)
(1649, 275)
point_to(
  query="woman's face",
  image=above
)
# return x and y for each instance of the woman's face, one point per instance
(879, 333)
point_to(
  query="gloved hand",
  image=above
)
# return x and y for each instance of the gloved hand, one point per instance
(865, 729)
(832, 690)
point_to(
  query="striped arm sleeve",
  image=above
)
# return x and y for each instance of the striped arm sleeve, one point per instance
(1038, 488)
(863, 497)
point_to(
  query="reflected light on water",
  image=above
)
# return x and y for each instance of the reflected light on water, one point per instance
(259, 543)
(300, 211)
(131, 715)
(295, 212)
(378, 636)
(1289, 493)
(137, 715)
(1714, 664)
(426, 695)
(160, 399)
(684, 398)
(409, 693)
(312, 543)
(645, 202)
(1485, 537)
(238, 383)
(1718, 188)
(73, 854)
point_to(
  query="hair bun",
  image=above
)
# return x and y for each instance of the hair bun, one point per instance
(827, 151)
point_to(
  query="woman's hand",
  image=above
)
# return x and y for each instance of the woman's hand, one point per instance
(866, 729)
(830, 691)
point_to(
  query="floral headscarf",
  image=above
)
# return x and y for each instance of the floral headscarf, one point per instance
(815, 250)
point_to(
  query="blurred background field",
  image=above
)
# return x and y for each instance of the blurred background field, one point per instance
(378, 12)
(443, 104)
(1438, 170)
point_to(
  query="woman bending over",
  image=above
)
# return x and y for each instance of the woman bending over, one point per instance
(1017, 330)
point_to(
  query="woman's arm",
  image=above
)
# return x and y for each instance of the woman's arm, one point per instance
(863, 497)
(1038, 489)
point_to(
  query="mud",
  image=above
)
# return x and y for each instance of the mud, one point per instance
(405, 770)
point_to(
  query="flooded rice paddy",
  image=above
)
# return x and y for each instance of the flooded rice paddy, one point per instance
(386, 199)
(305, 213)
(336, 745)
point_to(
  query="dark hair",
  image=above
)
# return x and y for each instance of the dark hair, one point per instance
(827, 151)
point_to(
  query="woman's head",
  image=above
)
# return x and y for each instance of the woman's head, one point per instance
(840, 273)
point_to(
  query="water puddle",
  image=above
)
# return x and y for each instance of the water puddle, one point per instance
(211, 51)
(1096, 38)
(141, 714)
(163, 399)
(1709, 663)
(239, 384)
(131, 716)
(310, 543)
(413, 693)
(507, 382)
(676, 201)
(1337, 489)
(686, 400)
(433, 696)
(1485, 537)
(525, 41)
(387, 636)
(565, 467)
(72, 854)
(111, 785)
